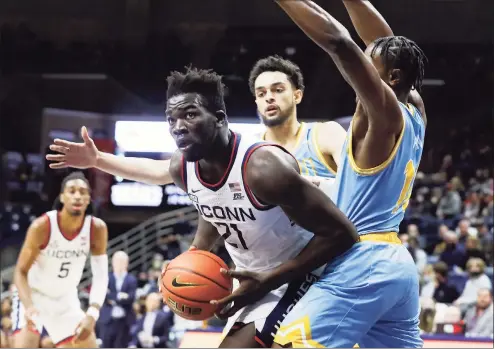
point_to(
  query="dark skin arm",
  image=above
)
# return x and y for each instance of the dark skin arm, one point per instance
(273, 176)
(206, 233)
(378, 119)
(370, 25)
(36, 236)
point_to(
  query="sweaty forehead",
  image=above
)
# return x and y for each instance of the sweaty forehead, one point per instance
(268, 78)
(77, 184)
(181, 101)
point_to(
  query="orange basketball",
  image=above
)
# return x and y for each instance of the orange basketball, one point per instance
(191, 281)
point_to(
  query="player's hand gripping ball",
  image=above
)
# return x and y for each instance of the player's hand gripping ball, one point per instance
(191, 281)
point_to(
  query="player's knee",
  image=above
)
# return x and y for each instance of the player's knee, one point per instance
(46, 342)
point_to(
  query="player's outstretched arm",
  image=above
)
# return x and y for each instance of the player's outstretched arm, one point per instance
(368, 22)
(86, 155)
(377, 98)
(370, 25)
(36, 239)
(273, 176)
(206, 234)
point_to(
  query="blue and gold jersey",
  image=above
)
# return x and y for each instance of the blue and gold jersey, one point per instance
(375, 199)
(308, 154)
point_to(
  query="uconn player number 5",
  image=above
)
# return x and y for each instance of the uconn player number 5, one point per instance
(228, 234)
(64, 270)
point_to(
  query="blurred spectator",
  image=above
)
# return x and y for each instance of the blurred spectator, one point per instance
(427, 315)
(152, 330)
(443, 293)
(413, 231)
(117, 314)
(479, 317)
(464, 230)
(418, 254)
(473, 250)
(477, 280)
(454, 253)
(428, 282)
(152, 283)
(472, 207)
(450, 204)
(442, 233)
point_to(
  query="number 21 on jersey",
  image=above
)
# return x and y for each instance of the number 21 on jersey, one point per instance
(406, 191)
(228, 237)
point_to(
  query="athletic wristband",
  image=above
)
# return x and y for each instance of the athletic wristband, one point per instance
(93, 312)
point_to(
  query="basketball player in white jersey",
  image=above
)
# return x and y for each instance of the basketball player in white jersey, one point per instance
(246, 191)
(50, 267)
(251, 194)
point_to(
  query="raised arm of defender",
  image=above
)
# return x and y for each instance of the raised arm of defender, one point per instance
(377, 98)
(370, 25)
(86, 155)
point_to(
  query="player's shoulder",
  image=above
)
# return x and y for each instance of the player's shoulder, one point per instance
(329, 129)
(269, 159)
(41, 223)
(417, 101)
(39, 230)
(98, 224)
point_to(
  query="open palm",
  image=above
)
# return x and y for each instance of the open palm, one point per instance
(77, 155)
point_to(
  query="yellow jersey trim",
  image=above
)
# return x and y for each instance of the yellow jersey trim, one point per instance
(319, 153)
(390, 238)
(298, 136)
(383, 165)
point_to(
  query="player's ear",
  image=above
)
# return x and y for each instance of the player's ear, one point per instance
(298, 95)
(221, 118)
(394, 77)
(61, 198)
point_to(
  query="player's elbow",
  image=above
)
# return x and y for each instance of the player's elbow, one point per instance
(347, 236)
(338, 43)
(19, 275)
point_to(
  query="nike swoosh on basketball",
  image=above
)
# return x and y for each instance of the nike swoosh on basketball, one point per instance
(177, 283)
(195, 191)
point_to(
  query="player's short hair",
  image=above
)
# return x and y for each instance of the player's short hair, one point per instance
(58, 205)
(71, 176)
(206, 83)
(399, 52)
(279, 64)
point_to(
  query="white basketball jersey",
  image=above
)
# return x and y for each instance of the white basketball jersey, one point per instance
(59, 266)
(258, 237)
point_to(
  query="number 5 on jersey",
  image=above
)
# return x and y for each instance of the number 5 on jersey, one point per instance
(64, 270)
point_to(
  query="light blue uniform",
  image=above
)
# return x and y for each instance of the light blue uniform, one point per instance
(308, 154)
(370, 294)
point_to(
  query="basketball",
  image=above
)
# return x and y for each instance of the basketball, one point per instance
(191, 281)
